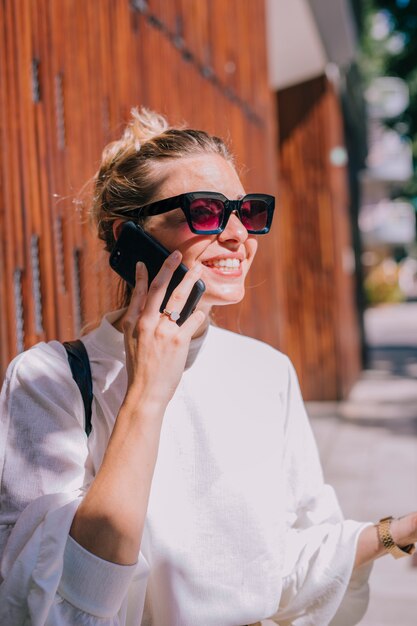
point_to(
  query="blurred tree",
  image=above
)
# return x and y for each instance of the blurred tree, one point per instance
(389, 48)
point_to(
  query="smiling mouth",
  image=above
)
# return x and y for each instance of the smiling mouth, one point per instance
(226, 265)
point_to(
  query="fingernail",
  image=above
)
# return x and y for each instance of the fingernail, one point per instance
(176, 255)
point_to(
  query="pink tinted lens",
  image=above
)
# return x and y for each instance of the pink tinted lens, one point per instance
(254, 214)
(206, 213)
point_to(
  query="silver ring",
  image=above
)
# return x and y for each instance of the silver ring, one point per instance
(173, 315)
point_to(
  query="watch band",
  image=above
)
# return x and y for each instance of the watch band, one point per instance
(384, 533)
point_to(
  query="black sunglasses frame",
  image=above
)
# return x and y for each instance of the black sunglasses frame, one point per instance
(184, 200)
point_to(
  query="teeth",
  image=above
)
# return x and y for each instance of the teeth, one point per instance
(228, 263)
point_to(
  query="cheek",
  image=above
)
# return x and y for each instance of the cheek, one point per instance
(251, 248)
(177, 238)
(192, 251)
(180, 238)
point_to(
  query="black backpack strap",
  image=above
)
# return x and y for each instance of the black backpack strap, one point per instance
(81, 373)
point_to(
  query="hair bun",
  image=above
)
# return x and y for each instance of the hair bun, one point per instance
(143, 126)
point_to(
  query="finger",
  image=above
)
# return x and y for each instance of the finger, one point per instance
(180, 294)
(139, 293)
(158, 286)
(193, 323)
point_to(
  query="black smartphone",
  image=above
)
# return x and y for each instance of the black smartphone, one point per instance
(134, 245)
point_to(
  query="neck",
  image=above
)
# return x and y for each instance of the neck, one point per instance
(201, 329)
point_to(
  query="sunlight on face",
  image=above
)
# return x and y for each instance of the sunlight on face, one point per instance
(227, 256)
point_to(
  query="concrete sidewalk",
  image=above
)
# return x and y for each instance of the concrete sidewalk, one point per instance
(368, 448)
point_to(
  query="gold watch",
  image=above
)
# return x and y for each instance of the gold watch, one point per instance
(384, 532)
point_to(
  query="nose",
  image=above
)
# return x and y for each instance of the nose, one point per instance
(234, 231)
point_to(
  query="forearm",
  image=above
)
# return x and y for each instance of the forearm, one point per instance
(110, 520)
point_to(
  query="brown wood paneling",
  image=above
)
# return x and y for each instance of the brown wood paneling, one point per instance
(70, 72)
(346, 315)
(320, 326)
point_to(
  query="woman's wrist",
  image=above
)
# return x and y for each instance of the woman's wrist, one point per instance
(398, 549)
(370, 545)
(404, 530)
(138, 405)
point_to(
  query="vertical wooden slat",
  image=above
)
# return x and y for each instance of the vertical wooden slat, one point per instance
(10, 191)
(27, 59)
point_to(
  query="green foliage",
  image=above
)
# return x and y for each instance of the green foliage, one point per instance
(394, 54)
(403, 18)
(373, 53)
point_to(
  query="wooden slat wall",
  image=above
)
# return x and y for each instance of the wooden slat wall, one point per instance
(320, 329)
(70, 71)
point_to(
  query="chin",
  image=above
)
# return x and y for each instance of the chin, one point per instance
(216, 299)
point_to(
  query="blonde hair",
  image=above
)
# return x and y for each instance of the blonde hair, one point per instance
(127, 178)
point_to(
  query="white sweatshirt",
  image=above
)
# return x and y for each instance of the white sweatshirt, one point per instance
(240, 526)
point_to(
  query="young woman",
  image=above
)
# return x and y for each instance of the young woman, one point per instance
(198, 498)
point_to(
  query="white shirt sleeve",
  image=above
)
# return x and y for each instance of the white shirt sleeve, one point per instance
(47, 578)
(319, 586)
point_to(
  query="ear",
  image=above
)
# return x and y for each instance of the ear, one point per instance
(117, 225)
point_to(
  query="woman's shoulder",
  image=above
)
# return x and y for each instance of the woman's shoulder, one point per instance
(51, 356)
(40, 377)
(44, 356)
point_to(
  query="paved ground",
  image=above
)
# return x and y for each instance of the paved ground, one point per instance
(368, 448)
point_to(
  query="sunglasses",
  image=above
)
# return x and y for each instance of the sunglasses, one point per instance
(208, 212)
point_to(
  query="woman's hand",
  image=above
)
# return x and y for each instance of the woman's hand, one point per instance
(156, 347)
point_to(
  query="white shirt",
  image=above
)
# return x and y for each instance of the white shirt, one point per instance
(240, 526)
